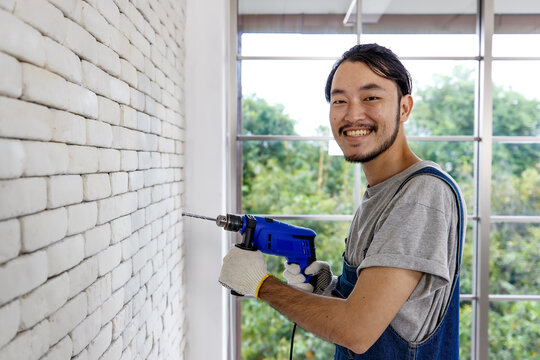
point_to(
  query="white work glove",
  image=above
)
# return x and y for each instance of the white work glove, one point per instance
(243, 271)
(318, 269)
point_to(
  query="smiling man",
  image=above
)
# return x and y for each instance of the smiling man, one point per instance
(398, 294)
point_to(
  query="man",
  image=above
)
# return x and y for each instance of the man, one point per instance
(398, 295)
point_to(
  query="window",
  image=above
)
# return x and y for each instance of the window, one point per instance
(476, 114)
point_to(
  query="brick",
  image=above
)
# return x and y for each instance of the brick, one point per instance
(83, 355)
(121, 274)
(65, 254)
(82, 101)
(82, 159)
(64, 190)
(114, 207)
(128, 73)
(129, 160)
(119, 183)
(37, 232)
(150, 107)
(68, 128)
(83, 275)
(109, 258)
(22, 274)
(8, 5)
(21, 40)
(81, 42)
(108, 111)
(120, 229)
(44, 87)
(44, 158)
(144, 195)
(12, 160)
(120, 43)
(19, 119)
(81, 217)
(112, 306)
(96, 186)
(130, 246)
(11, 79)
(138, 219)
(62, 61)
(28, 345)
(98, 292)
(156, 126)
(10, 316)
(136, 181)
(120, 91)
(132, 287)
(98, 133)
(108, 160)
(110, 11)
(97, 239)
(61, 350)
(67, 317)
(128, 117)
(86, 331)
(96, 79)
(95, 24)
(108, 60)
(114, 352)
(44, 301)
(98, 346)
(22, 196)
(11, 240)
(71, 8)
(136, 99)
(43, 16)
(143, 122)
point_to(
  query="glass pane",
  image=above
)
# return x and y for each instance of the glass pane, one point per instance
(456, 158)
(443, 93)
(513, 330)
(517, 24)
(516, 179)
(295, 177)
(285, 97)
(516, 98)
(422, 28)
(467, 261)
(514, 254)
(465, 329)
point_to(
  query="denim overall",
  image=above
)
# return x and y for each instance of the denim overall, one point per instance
(443, 342)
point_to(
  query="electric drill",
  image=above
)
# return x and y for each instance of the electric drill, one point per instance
(295, 243)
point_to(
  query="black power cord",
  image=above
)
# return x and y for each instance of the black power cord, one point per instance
(292, 341)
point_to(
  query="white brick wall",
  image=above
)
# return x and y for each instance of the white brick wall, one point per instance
(91, 139)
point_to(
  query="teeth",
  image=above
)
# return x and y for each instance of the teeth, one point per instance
(357, 132)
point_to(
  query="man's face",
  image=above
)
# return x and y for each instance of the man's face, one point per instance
(364, 112)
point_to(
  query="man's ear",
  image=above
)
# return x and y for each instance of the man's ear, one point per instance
(405, 107)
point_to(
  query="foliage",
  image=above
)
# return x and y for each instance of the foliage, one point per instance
(300, 178)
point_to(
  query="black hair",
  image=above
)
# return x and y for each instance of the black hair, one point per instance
(382, 61)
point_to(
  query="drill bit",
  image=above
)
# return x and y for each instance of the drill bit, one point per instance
(198, 216)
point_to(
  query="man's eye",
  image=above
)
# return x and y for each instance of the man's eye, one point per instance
(371, 98)
(338, 102)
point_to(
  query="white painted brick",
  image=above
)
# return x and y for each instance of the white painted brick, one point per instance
(145, 196)
(109, 258)
(62, 61)
(20, 39)
(64, 190)
(108, 60)
(130, 246)
(12, 159)
(86, 331)
(110, 11)
(150, 107)
(67, 317)
(65, 254)
(120, 228)
(44, 158)
(98, 133)
(68, 128)
(96, 186)
(146, 273)
(83, 355)
(97, 239)
(114, 352)
(10, 316)
(22, 274)
(11, 241)
(82, 276)
(137, 99)
(82, 101)
(60, 351)
(71, 8)
(96, 79)
(112, 306)
(114, 207)
(129, 160)
(138, 219)
(119, 182)
(82, 159)
(20, 119)
(37, 232)
(136, 181)
(98, 346)
(11, 78)
(120, 43)
(121, 320)
(128, 73)
(22, 196)
(81, 42)
(81, 217)
(8, 5)
(144, 84)
(143, 122)
(120, 91)
(109, 111)
(43, 16)
(44, 301)
(131, 288)
(99, 292)
(95, 24)
(128, 117)
(121, 274)
(108, 160)
(44, 87)
(28, 345)
(156, 126)
(145, 160)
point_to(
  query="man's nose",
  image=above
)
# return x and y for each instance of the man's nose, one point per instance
(355, 111)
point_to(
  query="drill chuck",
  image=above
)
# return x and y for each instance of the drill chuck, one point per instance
(230, 222)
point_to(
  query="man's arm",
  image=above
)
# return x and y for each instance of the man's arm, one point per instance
(356, 322)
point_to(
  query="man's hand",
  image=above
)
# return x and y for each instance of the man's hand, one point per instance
(243, 271)
(320, 270)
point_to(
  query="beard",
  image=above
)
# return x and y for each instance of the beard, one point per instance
(364, 158)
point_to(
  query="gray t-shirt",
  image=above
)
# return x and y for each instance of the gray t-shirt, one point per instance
(417, 230)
